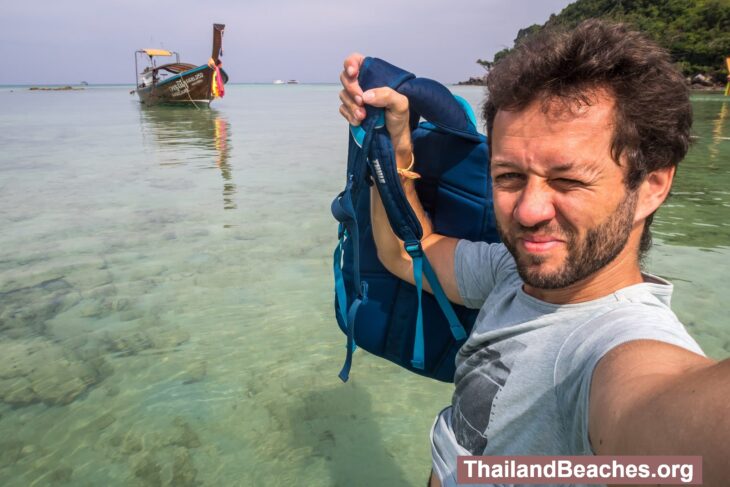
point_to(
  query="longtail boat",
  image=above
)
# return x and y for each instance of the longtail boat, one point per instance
(180, 83)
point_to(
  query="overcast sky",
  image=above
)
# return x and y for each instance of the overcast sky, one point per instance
(46, 41)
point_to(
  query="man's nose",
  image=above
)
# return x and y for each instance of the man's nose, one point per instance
(535, 204)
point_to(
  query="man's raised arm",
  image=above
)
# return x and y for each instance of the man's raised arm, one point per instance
(438, 248)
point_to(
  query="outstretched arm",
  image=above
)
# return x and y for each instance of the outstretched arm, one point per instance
(651, 398)
(438, 249)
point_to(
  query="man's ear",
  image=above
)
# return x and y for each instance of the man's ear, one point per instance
(653, 191)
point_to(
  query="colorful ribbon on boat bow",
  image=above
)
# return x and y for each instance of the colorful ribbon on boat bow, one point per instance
(216, 87)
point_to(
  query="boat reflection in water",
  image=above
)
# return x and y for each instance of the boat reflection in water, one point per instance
(185, 135)
(717, 131)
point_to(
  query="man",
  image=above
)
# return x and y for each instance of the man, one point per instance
(575, 350)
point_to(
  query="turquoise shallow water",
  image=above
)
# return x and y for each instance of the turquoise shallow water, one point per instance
(165, 293)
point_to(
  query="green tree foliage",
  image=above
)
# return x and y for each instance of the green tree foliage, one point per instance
(696, 32)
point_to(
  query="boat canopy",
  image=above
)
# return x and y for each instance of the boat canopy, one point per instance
(175, 67)
(156, 52)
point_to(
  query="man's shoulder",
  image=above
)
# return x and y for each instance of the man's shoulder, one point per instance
(479, 267)
(480, 246)
(618, 323)
(653, 291)
(485, 254)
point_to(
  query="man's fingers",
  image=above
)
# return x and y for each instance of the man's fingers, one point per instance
(386, 98)
(353, 98)
(348, 116)
(351, 106)
(352, 87)
(349, 75)
(352, 64)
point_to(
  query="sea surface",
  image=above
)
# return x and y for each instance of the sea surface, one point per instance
(166, 305)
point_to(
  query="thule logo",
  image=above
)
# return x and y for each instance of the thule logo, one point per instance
(378, 171)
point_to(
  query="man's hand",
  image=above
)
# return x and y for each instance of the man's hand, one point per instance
(396, 106)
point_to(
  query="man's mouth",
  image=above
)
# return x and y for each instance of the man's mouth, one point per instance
(539, 243)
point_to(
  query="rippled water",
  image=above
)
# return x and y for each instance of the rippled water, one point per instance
(165, 293)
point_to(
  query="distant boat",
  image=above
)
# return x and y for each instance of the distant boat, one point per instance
(292, 82)
(181, 83)
(278, 81)
(84, 83)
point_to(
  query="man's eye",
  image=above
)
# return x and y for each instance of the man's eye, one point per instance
(509, 176)
(567, 182)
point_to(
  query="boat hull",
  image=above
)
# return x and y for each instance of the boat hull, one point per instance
(188, 87)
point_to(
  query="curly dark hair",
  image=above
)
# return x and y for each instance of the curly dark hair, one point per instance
(653, 115)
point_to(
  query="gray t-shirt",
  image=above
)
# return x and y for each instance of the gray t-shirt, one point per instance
(523, 376)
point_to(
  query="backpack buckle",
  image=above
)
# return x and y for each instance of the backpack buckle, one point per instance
(413, 248)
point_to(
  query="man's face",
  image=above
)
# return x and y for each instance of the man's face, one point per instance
(562, 208)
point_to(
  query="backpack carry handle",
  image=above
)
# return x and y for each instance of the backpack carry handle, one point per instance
(426, 98)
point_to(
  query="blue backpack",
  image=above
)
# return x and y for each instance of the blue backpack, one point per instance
(378, 311)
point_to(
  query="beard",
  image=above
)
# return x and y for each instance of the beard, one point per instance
(597, 249)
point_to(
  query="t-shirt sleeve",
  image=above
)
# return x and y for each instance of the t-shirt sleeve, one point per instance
(585, 347)
(478, 266)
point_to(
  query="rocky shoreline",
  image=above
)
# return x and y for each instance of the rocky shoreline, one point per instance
(54, 88)
(473, 81)
(698, 82)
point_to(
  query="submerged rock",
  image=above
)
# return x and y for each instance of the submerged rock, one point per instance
(196, 372)
(112, 391)
(14, 359)
(17, 392)
(168, 338)
(132, 443)
(33, 279)
(10, 452)
(183, 471)
(92, 309)
(184, 435)
(89, 277)
(101, 291)
(26, 310)
(62, 384)
(147, 470)
(98, 424)
(61, 475)
(41, 371)
(133, 342)
(127, 344)
(159, 456)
